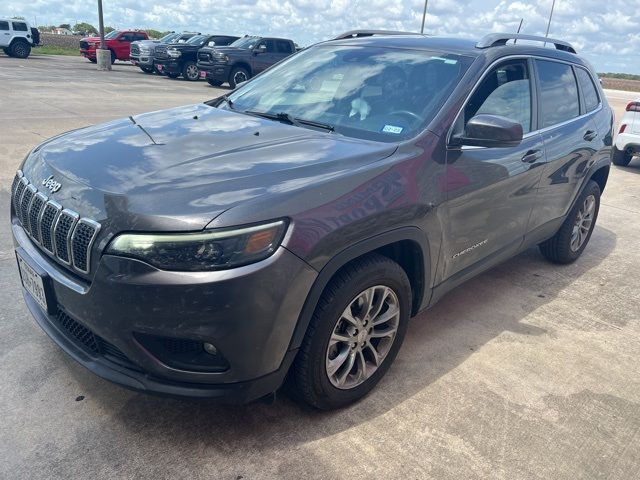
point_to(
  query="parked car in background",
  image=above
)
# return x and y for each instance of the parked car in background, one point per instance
(290, 229)
(118, 41)
(243, 59)
(181, 58)
(17, 37)
(142, 51)
(628, 140)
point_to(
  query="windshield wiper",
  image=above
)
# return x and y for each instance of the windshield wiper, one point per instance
(296, 121)
(227, 100)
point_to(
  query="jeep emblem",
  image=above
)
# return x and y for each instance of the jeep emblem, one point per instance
(51, 184)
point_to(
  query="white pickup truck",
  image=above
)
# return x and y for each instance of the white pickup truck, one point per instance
(17, 37)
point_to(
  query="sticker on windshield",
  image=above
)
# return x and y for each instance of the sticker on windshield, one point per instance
(392, 129)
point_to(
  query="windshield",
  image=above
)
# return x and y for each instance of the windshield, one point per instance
(245, 42)
(196, 39)
(168, 38)
(383, 94)
(112, 34)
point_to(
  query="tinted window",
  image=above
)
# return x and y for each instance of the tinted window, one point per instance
(588, 90)
(558, 93)
(283, 47)
(19, 26)
(505, 91)
(4, 25)
(384, 94)
(139, 36)
(270, 44)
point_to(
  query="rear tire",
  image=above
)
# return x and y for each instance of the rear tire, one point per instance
(620, 157)
(190, 71)
(214, 83)
(20, 49)
(364, 309)
(570, 241)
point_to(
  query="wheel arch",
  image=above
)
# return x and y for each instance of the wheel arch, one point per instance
(600, 176)
(408, 246)
(241, 64)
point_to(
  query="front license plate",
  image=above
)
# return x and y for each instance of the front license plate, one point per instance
(160, 68)
(32, 282)
(203, 74)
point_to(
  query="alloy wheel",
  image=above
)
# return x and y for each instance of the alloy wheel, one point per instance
(239, 77)
(192, 72)
(583, 222)
(362, 337)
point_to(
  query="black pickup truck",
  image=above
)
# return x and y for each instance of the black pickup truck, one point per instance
(178, 59)
(242, 59)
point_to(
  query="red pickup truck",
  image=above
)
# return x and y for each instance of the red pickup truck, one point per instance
(118, 41)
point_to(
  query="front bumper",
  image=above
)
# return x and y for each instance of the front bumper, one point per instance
(143, 60)
(89, 53)
(168, 65)
(248, 313)
(218, 72)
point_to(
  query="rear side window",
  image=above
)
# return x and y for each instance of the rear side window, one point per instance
(558, 93)
(270, 44)
(283, 47)
(4, 25)
(19, 26)
(588, 89)
(505, 91)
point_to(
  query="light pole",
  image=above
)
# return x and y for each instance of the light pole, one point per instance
(103, 56)
(424, 15)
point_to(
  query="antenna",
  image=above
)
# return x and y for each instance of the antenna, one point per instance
(519, 27)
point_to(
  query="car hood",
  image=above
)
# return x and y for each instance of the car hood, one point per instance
(226, 49)
(91, 39)
(180, 168)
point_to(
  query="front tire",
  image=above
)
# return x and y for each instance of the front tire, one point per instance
(20, 49)
(354, 335)
(147, 69)
(6, 51)
(214, 83)
(238, 75)
(173, 75)
(113, 57)
(570, 241)
(621, 157)
(190, 72)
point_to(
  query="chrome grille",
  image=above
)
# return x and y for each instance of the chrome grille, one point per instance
(204, 56)
(160, 51)
(59, 231)
(135, 49)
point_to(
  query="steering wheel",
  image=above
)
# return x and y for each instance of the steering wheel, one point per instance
(414, 116)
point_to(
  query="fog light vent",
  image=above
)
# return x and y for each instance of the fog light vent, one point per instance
(184, 353)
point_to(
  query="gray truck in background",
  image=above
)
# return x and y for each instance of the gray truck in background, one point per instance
(142, 50)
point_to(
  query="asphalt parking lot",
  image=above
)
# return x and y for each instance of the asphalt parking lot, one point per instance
(528, 371)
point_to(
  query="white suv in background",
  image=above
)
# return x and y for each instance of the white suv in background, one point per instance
(628, 140)
(16, 37)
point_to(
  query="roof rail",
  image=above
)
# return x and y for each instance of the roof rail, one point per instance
(498, 39)
(370, 33)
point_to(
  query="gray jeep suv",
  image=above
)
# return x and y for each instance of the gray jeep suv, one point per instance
(290, 229)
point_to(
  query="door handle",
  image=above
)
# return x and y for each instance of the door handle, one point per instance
(531, 156)
(590, 135)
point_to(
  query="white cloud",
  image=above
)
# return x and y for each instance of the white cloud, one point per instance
(604, 32)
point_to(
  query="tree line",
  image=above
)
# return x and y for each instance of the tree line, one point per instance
(84, 28)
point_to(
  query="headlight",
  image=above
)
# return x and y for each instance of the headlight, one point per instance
(144, 49)
(220, 57)
(174, 53)
(217, 249)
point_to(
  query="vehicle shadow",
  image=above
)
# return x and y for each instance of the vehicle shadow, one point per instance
(633, 167)
(437, 342)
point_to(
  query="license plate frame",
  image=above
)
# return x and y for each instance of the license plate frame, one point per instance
(203, 75)
(35, 281)
(160, 67)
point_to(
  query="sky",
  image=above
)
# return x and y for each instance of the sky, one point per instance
(604, 32)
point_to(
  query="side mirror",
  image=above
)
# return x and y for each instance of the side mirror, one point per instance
(260, 49)
(490, 131)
